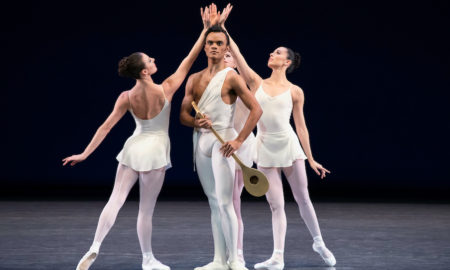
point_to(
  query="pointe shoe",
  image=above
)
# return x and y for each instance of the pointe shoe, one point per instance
(155, 265)
(240, 260)
(325, 253)
(213, 266)
(269, 265)
(237, 265)
(87, 260)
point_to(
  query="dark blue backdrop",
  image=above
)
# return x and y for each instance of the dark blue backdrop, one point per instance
(375, 76)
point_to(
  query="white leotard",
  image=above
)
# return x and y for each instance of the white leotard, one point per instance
(277, 145)
(149, 146)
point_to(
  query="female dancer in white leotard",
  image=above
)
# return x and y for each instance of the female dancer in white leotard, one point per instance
(246, 153)
(145, 154)
(278, 148)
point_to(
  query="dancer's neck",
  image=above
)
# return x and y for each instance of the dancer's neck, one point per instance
(144, 83)
(215, 65)
(278, 76)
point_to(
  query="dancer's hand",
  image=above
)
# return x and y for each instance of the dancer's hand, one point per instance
(213, 15)
(230, 147)
(318, 168)
(74, 159)
(202, 122)
(223, 17)
(205, 17)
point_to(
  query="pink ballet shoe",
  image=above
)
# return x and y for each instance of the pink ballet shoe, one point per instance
(269, 265)
(213, 266)
(324, 252)
(237, 265)
(155, 265)
(87, 260)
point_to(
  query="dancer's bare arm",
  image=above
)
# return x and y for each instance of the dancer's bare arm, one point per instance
(252, 79)
(238, 85)
(172, 83)
(298, 99)
(186, 108)
(120, 108)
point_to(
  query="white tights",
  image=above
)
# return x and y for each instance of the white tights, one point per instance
(238, 186)
(150, 184)
(216, 175)
(296, 176)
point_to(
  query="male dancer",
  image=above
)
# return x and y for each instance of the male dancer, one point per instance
(215, 90)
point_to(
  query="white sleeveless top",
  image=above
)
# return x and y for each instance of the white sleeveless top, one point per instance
(149, 146)
(247, 151)
(220, 114)
(277, 145)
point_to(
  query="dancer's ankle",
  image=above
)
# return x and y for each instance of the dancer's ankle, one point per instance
(95, 247)
(318, 239)
(278, 255)
(147, 257)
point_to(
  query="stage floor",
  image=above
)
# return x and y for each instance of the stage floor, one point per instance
(55, 235)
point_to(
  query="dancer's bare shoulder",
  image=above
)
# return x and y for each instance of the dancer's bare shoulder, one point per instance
(297, 94)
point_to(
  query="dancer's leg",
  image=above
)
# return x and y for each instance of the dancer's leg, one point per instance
(125, 179)
(237, 191)
(224, 170)
(296, 176)
(149, 187)
(206, 176)
(275, 198)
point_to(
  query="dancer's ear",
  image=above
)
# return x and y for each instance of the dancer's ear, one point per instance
(144, 72)
(288, 63)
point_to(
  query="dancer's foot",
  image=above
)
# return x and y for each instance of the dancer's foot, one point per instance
(87, 260)
(270, 264)
(325, 253)
(240, 256)
(237, 265)
(155, 265)
(213, 266)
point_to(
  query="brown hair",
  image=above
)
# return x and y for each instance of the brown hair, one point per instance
(131, 66)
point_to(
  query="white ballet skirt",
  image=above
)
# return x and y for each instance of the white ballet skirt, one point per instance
(247, 151)
(149, 146)
(277, 145)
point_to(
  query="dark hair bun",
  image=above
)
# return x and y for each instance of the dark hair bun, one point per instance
(123, 67)
(296, 61)
(131, 66)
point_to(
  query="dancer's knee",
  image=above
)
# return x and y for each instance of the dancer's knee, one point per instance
(302, 198)
(276, 205)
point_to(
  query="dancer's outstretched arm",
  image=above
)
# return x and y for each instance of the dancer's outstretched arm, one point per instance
(172, 83)
(298, 99)
(252, 79)
(120, 108)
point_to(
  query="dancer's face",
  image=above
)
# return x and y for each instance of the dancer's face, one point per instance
(278, 58)
(150, 66)
(229, 60)
(216, 45)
